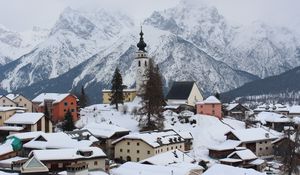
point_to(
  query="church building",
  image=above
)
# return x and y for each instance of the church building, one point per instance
(142, 63)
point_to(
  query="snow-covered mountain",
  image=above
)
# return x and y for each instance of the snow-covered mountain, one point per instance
(178, 60)
(14, 44)
(73, 39)
(191, 41)
(259, 49)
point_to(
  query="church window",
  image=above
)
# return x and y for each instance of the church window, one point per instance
(145, 63)
(139, 63)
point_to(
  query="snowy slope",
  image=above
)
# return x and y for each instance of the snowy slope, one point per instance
(259, 49)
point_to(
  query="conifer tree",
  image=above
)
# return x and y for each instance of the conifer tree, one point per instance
(152, 100)
(68, 124)
(83, 99)
(117, 89)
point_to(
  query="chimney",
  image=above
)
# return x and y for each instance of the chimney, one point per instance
(267, 135)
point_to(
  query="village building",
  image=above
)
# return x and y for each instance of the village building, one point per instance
(210, 106)
(132, 168)
(26, 122)
(224, 149)
(6, 102)
(236, 110)
(139, 146)
(258, 140)
(57, 105)
(244, 158)
(26, 136)
(273, 120)
(21, 101)
(183, 93)
(276, 108)
(294, 111)
(10, 148)
(188, 139)
(169, 157)
(7, 112)
(128, 94)
(59, 159)
(107, 133)
(220, 169)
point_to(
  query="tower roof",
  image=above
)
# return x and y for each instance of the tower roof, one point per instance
(141, 44)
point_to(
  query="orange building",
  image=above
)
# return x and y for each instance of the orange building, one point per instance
(210, 106)
(57, 105)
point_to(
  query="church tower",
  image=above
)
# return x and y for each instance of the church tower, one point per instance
(142, 63)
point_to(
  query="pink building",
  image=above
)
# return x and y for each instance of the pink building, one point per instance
(210, 106)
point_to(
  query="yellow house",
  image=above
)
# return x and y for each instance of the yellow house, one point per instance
(139, 146)
(129, 95)
(7, 112)
(21, 101)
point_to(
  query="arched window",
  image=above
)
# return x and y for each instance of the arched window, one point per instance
(139, 63)
(145, 63)
(128, 158)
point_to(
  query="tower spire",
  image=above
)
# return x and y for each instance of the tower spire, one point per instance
(141, 44)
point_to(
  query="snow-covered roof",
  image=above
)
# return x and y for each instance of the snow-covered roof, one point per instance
(210, 100)
(6, 108)
(12, 96)
(227, 145)
(220, 169)
(272, 107)
(132, 168)
(253, 134)
(24, 118)
(169, 157)
(56, 97)
(104, 130)
(124, 90)
(294, 109)
(231, 106)
(11, 128)
(243, 154)
(26, 135)
(185, 134)
(155, 138)
(271, 117)
(6, 148)
(56, 141)
(66, 154)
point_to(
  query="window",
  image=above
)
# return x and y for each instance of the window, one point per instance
(145, 63)
(128, 151)
(138, 159)
(138, 143)
(139, 63)
(167, 148)
(72, 103)
(72, 110)
(25, 105)
(66, 103)
(180, 146)
(121, 157)
(260, 149)
(213, 105)
(148, 152)
(96, 163)
(266, 142)
(65, 110)
(121, 150)
(20, 99)
(138, 151)
(171, 147)
(175, 147)
(128, 143)
(260, 142)
(0, 117)
(3, 101)
(157, 151)
(267, 148)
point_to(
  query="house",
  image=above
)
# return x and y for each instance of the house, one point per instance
(244, 158)
(59, 159)
(57, 105)
(276, 108)
(184, 93)
(294, 111)
(224, 149)
(21, 101)
(6, 102)
(210, 106)
(139, 146)
(27, 122)
(7, 112)
(59, 140)
(10, 148)
(26, 136)
(257, 140)
(236, 110)
(132, 168)
(188, 139)
(273, 120)
(220, 169)
(169, 157)
(107, 133)
(128, 94)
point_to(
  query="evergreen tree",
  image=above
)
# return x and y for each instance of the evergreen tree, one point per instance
(117, 89)
(217, 95)
(83, 99)
(68, 124)
(152, 100)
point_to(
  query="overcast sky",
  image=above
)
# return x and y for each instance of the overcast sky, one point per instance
(22, 15)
